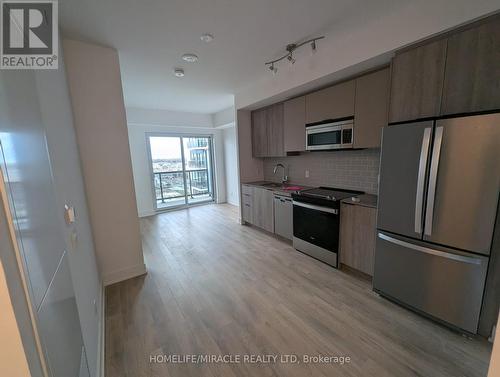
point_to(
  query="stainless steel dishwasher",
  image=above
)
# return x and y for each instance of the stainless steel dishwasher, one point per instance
(283, 216)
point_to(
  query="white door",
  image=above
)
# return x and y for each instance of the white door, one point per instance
(27, 173)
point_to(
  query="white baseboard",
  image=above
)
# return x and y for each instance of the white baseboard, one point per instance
(147, 213)
(101, 361)
(124, 274)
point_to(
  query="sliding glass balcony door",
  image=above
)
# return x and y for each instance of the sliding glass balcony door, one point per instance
(182, 170)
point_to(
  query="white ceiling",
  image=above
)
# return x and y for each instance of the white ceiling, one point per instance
(151, 36)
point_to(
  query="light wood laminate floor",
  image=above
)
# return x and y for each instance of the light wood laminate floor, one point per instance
(218, 288)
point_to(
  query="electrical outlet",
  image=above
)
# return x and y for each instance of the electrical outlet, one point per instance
(95, 306)
(307, 173)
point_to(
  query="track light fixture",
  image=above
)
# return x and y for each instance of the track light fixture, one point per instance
(290, 48)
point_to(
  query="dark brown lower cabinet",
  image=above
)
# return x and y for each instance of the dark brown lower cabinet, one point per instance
(357, 237)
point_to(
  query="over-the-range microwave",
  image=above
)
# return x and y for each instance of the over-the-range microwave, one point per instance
(336, 134)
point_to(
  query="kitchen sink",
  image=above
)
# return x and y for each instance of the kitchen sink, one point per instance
(285, 187)
(272, 184)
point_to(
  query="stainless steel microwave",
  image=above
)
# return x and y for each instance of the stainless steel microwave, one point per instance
(331, 135)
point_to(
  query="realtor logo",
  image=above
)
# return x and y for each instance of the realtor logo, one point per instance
(29, 35)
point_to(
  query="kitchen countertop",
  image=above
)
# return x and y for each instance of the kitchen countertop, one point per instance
(366, 200)
(277, 189)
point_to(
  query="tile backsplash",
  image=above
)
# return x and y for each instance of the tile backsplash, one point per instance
(355, 169)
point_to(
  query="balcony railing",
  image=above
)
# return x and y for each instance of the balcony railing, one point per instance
(170, 185)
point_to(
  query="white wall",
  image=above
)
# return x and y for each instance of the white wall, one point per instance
(154, 117)
(231, 165)
(348, 50)
(95, 88)
(140, 161)
(224, 118)
(220, 125)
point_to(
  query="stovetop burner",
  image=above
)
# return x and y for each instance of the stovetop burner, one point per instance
(329, 193)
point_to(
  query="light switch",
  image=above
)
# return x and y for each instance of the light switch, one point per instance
(69, 214)
(307, 173)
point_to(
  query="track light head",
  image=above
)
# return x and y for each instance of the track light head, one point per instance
(290, 49)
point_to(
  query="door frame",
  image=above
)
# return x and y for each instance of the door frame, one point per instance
(211, 176)
(17, 281)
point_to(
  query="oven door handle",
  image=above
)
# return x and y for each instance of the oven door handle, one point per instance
(317, 208)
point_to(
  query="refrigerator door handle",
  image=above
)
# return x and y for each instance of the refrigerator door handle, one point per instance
(422, 166)
(436, 153)
(423, 249)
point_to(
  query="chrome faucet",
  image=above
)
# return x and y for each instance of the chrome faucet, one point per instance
(284, 179)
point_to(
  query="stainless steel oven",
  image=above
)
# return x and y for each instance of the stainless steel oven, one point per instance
(316, 222)
(315, 231)
(330, 135)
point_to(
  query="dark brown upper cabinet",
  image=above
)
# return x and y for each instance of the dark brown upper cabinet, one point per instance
(275, 130)
(259, 133)
(370, 110)
(472, 77)
(295, 125)
(267, 131)
(331, 103)
(416, 82)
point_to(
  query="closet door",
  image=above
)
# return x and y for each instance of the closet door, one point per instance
(57, 118)
(27, 172)
(59, 325)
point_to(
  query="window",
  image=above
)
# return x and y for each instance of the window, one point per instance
(182, 170)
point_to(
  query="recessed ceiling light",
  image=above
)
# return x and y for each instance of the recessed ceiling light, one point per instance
(190, 58)
(207, 37)
(179, 72)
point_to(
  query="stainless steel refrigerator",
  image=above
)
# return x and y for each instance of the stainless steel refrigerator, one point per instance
(438, 197)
